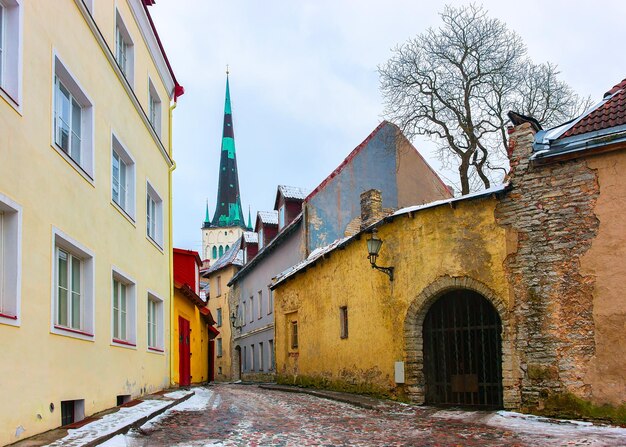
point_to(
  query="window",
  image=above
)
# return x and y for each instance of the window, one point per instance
(219, 286)
(272, 360)
(155, 323)
(221, 250)
(252, 364)
(154, 215)
(281, 216)
(219, 347)
(294, 335)
(10, 261)
(343, 321)
(154, 108)
(260, 304)
(245, 313)
(73, 296)
(219, 317)
(10, 44)
(122, 178)
(270, 301)
(251, 310)
(261, 356)
(219, 370)
(245, 359)
(123, 310)
(261, 238)
(72, 411)
(73, 120)
(124, 48)
(214, 251)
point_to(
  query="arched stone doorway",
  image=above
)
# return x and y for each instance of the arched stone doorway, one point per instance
(463, 351)
(415, 385)
(236, 364)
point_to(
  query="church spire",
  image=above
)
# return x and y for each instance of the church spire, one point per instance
(228, 212)
(249, 219)
(207, 221)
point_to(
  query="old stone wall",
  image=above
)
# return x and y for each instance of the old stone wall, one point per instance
(551, 208)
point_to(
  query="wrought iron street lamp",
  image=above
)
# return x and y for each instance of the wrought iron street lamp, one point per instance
(373, 247)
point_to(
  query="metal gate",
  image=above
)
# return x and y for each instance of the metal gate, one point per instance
(463, 351)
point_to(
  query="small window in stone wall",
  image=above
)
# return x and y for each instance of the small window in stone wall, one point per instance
(343, 321)
(294, 334)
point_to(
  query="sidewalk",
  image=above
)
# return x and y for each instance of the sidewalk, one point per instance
(102, 426)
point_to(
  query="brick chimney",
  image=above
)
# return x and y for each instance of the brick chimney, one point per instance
(371, 207)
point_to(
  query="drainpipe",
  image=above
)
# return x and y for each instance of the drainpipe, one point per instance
(171, 242)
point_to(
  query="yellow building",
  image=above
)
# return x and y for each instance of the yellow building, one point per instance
(218, 275)
(85, 190)
(341, 324)
(192, 323)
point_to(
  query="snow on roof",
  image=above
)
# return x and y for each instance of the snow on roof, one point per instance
(232, 256)
(315, 254)
(250, 237)
(293, 192)
(484, 192)
(269, 217)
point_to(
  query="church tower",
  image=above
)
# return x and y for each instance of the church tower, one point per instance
(228, 223)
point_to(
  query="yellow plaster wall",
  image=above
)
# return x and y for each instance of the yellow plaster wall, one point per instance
(221, 301)
(605, 261)
(38, 367)
(199, 343)
(460, 241)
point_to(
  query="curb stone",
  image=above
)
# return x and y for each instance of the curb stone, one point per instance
(357, 402)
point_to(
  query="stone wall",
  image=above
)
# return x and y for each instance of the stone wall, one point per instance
(551, 208)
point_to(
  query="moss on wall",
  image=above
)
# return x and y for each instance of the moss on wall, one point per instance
(566, 405)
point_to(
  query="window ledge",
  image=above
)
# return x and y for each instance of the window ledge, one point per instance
(76, 333)
(12, 102)
(156, 350)
(9, 316)
(124, 213)
(122, 343)
(78, 168)
(8, 319)
(155, 243)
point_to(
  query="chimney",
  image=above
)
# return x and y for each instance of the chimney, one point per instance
(371, 207)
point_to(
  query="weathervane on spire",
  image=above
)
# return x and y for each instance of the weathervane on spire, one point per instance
(227, 72)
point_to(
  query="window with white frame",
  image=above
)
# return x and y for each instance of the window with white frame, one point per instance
(260, 307)
(124, 48)
(155, 323)
(251, 309)
(245, 313)
(73, 296)
(281, 216)
(73, 119)
(261, 238)
(123, 309)
(154, 108)
(10, 261)
(261, 354)
(270, 300)
(252, 364)
(154, 215)
(10, 43)
(122, 177)
(271, 349)
(219, 317)
(219, 347)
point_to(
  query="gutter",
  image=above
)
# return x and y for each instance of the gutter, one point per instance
(170, 239)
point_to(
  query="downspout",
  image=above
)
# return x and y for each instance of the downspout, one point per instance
(171, 242)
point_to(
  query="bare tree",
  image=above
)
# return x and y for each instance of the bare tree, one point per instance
(456, 83)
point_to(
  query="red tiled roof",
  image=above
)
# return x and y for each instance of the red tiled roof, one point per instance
(610, 114)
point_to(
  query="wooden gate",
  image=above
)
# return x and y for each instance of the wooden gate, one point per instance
(184, 352)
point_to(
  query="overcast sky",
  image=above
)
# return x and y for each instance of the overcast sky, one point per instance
(304, 85)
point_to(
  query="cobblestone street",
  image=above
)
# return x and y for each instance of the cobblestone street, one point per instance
(243, 415)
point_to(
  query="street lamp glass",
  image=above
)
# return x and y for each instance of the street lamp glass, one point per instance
(373, 245)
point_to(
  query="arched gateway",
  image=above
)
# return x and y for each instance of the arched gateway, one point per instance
(463, 351)
(454, 334)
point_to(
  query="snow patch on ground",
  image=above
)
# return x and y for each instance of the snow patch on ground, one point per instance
(559, 430)
(198, 402)
(176, 394)
(109, 423)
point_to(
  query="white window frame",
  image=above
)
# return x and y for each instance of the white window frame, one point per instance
(281, 216)
(126, 202)
(154, 108)
(218, 316)
(11, 44)
(154, 224)
(270, 300)
(84, 163)
(219, 348)
(251, 310)
(245, 313)
(260, 307)
(252, 365)
(158, 344)
(260, 238)
(10, 261)
(119, 279)
(124, 48)
(270, 347)
(261, 355)
(218, 288)
(86, 330)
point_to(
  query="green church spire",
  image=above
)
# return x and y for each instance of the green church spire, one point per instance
(228, 212)
(249, 219)
(207, 221)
